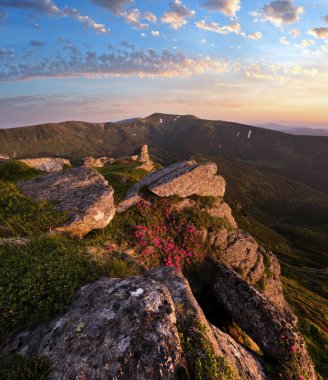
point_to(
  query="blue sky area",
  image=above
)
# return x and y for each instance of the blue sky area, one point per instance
(104, 60)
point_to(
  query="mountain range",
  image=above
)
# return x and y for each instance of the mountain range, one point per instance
(173, 137)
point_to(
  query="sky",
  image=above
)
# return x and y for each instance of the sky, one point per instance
(249, 61)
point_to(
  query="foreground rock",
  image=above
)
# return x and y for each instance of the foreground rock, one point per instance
(202, 335)
(277, 337)
(47, 164)
(92, 162)
(82, 192)
(135, 328)
(142, 156)
(115, 329)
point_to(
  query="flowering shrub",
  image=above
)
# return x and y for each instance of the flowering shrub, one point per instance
(163, 238)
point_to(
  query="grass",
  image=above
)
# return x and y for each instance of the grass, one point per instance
(20, 216)
(18, 368)
(121, 175)
(15, 171)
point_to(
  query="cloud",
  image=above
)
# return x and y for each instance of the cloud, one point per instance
(133, 17)
(280, 12)
(47, 6)
(115, 6)
(255, 36)
(319, 32)
(294, 32)
(306, 43)
(284, 41)
(155, 33)
(227, 7)
(37, 43)
(50, 8)
(143, 63)
(149, 17)
(177, 14)
(214, 27)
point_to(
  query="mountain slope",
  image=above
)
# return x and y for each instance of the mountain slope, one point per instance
(171, 137)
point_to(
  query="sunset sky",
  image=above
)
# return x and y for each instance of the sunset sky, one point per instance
(251, 61)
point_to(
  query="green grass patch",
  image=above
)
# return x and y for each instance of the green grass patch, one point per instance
(121, 176)
(15, 171)
(39, 280)
(24, 368)
(20, 216)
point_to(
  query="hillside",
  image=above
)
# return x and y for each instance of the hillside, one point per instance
(173, 137)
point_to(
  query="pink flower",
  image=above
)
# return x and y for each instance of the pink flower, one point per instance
(282, 336)
(280, 375)
(300, 377)
(293, 348)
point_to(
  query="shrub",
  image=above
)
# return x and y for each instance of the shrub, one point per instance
(17, 171)
(163, 238)
(20, 216)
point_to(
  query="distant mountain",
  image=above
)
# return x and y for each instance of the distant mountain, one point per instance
(173, 137)
(296, 130)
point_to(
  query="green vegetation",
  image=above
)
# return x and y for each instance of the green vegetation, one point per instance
(18, 368)
(15, 171)
(121, 175)
(202, 362)
(20, 216)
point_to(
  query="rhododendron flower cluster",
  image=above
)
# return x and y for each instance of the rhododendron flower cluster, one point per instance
(163, 238)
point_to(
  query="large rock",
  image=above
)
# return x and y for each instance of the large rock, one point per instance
(199, 179)
(115, 329)
(132, 195)
(47, 164)
(193, 323)
(278, 338)
(259, 267)
(132, 329)
(82, 192)
(92, 162)
(182, 179)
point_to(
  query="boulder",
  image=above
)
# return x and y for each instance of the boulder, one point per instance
(115, 329)
(4, 157)
(82, 192)
(47, 164)
(277, 337)
(199, 179)
(92, 162)
(132, 196)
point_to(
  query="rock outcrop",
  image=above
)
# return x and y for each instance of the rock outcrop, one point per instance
(181, 179)
(82, 192)
(47, 164)
(199, 179)
(92, 162)
(240, 252)
(115, 329)
(136, 329)
(277, 337)
(222, 210)
(142, 156)
(4, 157)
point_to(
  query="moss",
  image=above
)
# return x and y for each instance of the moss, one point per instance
(204, 202)
(202, 362)
(17, 171)
(27, 368)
